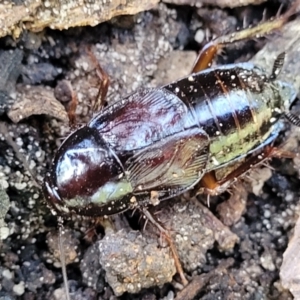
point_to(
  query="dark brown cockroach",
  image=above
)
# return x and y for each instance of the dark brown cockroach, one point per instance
(158, 143)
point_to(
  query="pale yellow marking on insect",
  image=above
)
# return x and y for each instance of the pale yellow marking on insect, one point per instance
(154, 198)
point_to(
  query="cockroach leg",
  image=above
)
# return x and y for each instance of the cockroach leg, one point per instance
(280, 153)
(102, 93)
(104, 82)
(209, 182)
(210, 185)
(208, 52)
(63, 257)
(71, 108)
(91, 234)
(167, 236)
(99, 101)
(64, 93)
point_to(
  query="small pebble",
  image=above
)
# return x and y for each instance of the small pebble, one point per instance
(4, 232)
(199, 36)
(19, 288)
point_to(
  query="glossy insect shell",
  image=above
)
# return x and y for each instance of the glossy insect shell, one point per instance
(158, 143)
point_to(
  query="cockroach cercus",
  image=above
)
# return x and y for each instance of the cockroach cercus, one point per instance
(159, 143)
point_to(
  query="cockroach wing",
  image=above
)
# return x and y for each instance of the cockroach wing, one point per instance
(175, 162)
(142, 119)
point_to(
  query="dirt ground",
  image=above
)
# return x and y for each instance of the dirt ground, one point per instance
(232, 249)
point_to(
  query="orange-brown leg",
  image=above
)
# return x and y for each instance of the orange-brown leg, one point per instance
(210, 185)
(66, 95)
(101, 95)
(169, 239)
(71, 109)
(207, 54)
(103, 83)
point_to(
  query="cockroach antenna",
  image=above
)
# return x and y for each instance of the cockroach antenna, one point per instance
(62, 256)
(4, 131)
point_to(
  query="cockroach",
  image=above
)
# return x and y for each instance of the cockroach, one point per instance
(158, 143)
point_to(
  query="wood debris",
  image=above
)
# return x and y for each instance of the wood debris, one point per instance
(35, 15)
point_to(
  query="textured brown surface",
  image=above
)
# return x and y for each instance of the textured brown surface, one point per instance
(220, 3)
(35, 15)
